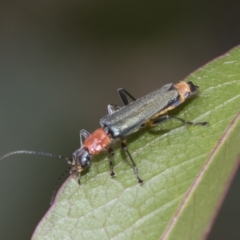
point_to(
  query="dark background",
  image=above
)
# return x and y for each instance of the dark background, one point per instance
(60, 65)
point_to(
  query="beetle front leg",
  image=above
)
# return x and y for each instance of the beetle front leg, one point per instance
(111, 156)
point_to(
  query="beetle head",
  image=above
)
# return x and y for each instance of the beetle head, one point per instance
(81, 159)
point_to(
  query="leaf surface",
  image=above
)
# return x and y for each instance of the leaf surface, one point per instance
(186, 170)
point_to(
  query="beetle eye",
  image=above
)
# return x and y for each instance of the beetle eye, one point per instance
(85, 161)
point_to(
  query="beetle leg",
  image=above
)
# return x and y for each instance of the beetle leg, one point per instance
(56, 186)
(78, 174)
(125, 148)
(167, 117)
(112, 108)
(79, 178)
(125, 96)
(111, 155)
(83, 135)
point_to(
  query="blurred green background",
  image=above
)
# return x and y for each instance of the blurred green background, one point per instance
(60, 65)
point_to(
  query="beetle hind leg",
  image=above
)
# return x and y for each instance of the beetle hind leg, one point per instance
(189, 122)
(164, 118)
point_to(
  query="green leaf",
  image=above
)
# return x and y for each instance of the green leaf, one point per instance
(185, 169)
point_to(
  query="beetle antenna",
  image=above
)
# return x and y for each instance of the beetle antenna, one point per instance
(57, 184)
(69, 160)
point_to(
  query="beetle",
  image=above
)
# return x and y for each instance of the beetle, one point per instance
(122, 121)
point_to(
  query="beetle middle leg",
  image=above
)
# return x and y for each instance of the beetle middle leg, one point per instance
(164, 118)
(125, 148)
(112, 108)
(125, 96)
